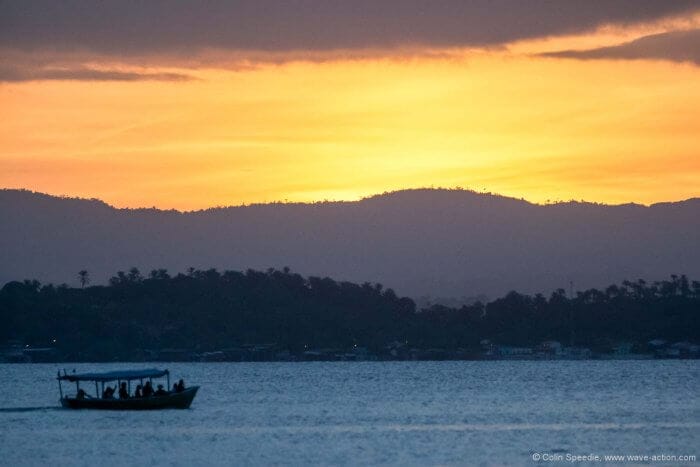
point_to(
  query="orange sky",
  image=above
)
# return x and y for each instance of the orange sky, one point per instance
(501, 120)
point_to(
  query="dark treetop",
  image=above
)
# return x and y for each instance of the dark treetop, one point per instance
(210, 310)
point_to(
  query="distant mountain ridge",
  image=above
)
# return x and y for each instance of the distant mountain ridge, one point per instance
(419, 242)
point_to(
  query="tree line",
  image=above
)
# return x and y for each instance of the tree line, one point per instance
(209, 310)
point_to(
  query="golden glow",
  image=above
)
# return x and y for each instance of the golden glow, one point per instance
(606, 35)
(516, 124)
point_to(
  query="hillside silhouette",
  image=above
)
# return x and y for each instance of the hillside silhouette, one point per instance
(446, 243)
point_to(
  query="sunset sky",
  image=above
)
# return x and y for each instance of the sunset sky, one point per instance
(191, 105)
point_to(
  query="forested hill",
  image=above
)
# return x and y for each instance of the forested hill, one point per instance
(209, 310)
(443, 243)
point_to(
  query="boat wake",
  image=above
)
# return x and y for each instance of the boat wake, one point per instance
(28, 409)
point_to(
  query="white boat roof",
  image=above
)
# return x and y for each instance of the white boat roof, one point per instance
(115, 375)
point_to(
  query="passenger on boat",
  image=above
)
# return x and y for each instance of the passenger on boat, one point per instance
(180, 386)
(160, 391)
(123, 391)
(138, 392)
(108, 393)
(81, 394)
(147, 389)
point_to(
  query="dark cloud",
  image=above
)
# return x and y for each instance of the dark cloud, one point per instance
(128, 28)
(677, 46)
(22, 73)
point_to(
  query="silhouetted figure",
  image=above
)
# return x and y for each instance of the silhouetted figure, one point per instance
(139, 391)
(123, 391)
(180, 386)
(81, 394)
(175, 387)
(160, 391)
(108, 393)
(148, 390)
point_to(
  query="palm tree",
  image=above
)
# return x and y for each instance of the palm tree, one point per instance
(84, 278)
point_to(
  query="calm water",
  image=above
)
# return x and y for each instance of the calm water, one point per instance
(398, 413)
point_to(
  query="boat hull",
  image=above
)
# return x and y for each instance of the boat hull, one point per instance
(173, 400)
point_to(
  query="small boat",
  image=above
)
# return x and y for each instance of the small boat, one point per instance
(175, 399)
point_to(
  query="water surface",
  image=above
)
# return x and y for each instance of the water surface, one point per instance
(364, 413)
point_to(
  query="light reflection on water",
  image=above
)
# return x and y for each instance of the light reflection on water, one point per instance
(414, 413)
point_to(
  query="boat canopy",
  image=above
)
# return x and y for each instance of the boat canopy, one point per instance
(125, 375)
